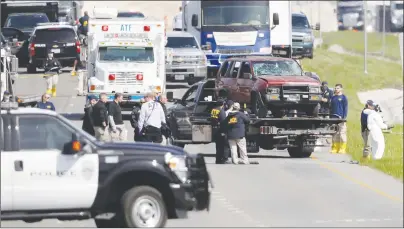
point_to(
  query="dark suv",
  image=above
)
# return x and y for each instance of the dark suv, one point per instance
(60, 39)
(269, 83)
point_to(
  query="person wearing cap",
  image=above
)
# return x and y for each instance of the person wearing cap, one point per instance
(52, 69)
(45, 103)
(135, 119)
(6, 96)
(369, 106)
(235, 125)
(339, 109)
(88, 124)
(151, 119)
(327, 94)
(375, 125)
(217, 116)
(117, 128)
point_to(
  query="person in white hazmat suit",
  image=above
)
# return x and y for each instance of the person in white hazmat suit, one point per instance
(375, 125)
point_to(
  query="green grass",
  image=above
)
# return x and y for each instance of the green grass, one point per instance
(348, 70)
(354, 42)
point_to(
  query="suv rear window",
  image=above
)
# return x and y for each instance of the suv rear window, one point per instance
(55, 35)
(26, 21)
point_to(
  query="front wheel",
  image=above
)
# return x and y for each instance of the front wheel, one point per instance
(313, 111)
(144, 206)
(258, 108)
(300, 152)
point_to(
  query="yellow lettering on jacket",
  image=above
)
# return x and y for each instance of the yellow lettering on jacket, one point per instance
(233, 120)
(215, 113)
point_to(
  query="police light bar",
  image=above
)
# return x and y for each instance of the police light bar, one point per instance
(9, 105)
(105, 13)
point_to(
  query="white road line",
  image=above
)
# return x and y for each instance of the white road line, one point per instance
(351, 220)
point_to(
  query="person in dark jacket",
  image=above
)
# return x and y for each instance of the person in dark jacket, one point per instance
(83, 29)
(88, 124)
(100, 118)
(339, 109)
(235, 124)
(327, 94)
(165, 130)
(45, 103)
(135, 119)
(217, 116)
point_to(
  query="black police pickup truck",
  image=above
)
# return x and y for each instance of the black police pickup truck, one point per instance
(52, 169)
(189, 122)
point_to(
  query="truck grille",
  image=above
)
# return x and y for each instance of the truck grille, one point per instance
(125, 78)
(350, 19)
(186, 60)
(235, 51)
(295, 89)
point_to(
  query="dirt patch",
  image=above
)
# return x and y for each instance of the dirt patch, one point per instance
(340, 50)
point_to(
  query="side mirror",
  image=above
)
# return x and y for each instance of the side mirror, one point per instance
(72, 147)
(275, 19)
(309, 74)
(247, 76)
(194, 20)
(170, 96)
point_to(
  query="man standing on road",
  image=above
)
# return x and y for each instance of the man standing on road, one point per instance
(118, 131)
(339, 109)
(327, 94)
(88, 124)
(177, 21)
(151, 119)
(52, 69)
(100, 118)
(135, 119)
(235, 124)
(217, 117)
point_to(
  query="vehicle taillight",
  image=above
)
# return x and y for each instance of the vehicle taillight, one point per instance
(139, 77)
(19, 43)
(146, 28)
(111, 77)
(78, 47)
(32, 49)
(104, 28)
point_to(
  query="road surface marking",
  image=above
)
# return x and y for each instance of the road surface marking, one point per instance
(358, 182)
(352, 220)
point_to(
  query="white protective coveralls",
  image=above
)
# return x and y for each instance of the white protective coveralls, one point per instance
(376, 137)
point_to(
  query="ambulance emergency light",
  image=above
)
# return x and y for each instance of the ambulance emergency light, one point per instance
(105, 13)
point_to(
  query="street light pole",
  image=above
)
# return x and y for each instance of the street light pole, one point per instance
(384, 29)
(319, 22)
(365, 24)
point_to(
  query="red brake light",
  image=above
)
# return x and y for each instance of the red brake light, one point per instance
(146, 28)
(32, 49)
(78, 47)
(111, 77)
(139, 77)
(104, 28)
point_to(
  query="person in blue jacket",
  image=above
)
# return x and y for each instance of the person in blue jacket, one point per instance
(339, 109)
(217, 116)
(45, 103)
(235, 125)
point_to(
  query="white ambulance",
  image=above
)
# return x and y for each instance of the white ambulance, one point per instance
(125, 55)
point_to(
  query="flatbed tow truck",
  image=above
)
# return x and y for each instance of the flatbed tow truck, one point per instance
(189, 121)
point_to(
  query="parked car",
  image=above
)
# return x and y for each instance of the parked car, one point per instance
(302, 36)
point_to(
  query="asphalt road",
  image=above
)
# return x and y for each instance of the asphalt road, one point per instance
(322, 191)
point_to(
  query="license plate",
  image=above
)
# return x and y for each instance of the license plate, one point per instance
(179, 77)
(305, 96)
(294, 97)
(55, 50)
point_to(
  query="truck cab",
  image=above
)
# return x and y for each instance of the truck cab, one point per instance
(125, 55)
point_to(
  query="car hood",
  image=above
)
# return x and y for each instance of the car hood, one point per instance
(305, 80)
(141, 148)
(186, 51)
(301, 30)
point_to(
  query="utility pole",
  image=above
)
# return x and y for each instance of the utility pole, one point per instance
(384, 29)
(365, 24)
(319, 22)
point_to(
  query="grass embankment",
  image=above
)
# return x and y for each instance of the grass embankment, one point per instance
(354, 42)
(348, 70)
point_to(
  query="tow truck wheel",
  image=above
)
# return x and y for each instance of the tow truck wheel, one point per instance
(115, 222)
(300, 152)
(31, 68)
(144, 206)
(313, 111)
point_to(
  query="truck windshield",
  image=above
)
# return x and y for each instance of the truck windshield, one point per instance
(235, 15)
(26, 21)
(181, 42)
(300, 22)
(127, 54)
(277, 68)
